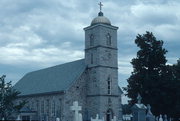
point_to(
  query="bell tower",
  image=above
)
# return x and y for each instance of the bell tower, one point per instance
(103, 94)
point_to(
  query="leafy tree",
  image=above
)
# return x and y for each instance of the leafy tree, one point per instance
(170, 87)
(147, 70)
(176, 102)
(7, 97)
(157, 83)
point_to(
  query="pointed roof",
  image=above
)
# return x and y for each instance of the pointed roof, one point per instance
(52, 79)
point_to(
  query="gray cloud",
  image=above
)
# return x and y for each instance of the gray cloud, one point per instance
(42, 33)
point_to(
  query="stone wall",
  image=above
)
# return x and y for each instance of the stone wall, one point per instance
(103, 96)
(77, 92)
(47, 106)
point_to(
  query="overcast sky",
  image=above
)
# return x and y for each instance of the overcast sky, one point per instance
(36, 34)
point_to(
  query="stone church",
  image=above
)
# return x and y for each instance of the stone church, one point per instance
(92, 81)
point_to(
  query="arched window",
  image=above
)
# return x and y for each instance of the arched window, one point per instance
(91, 40)
(53, 108)
(42, 107)
(47, 106)
(109, 85)
(32, 105)
(109, 115)
(59, 112)
(108, 39)
(37, 106)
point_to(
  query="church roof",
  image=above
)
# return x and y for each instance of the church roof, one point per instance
(52, 79)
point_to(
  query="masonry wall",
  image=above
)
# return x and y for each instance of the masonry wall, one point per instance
(98, 99)
(103, 96)
(49, 107)
(77, 92)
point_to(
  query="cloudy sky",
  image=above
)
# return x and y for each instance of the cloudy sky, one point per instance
(36, 34)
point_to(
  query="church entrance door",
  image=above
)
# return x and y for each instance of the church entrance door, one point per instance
(109, 115)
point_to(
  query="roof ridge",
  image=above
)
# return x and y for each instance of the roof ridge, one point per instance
(54, 66)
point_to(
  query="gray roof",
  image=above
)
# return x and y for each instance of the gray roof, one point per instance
(100, 19)
(53, 79)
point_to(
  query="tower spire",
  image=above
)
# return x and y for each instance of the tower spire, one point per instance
(100, 7)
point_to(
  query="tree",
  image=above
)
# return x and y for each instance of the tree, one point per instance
(176, 102)
(126, 109)
(7, 97)
(146, 77)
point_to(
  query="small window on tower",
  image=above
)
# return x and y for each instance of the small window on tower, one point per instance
(92, 58)
(109, 85)
(108, 41)
(91, 40)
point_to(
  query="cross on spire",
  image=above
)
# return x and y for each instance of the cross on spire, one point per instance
(100, 6)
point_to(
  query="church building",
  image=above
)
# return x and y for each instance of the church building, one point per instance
(92, 81)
